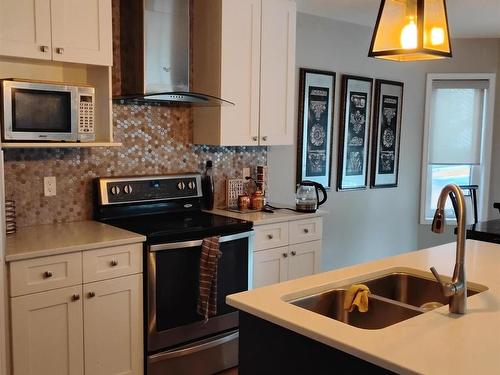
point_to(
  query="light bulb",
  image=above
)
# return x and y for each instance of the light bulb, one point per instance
(409, 35)
(437, 36)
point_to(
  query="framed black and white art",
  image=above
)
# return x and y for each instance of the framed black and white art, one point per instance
(354, 134)
(386, 134)
(314, 146)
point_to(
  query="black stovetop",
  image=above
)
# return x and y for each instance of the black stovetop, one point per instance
(169, 227)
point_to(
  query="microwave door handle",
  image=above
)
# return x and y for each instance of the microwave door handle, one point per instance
(197, 243)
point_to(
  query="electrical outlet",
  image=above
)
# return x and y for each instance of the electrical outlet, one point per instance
(246, 173)
(49, 186)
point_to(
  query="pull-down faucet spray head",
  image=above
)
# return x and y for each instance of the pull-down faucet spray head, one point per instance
(438, 222)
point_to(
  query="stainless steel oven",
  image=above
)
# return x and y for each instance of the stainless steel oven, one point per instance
(172, 289)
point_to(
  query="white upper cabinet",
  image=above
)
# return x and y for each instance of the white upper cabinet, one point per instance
(244, 52)
(81, 31)
(277, 72)
(25, 28)
(61, 30)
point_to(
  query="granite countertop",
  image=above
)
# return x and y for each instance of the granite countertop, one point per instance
(435, 342)
(261, 218)
(488, 231)
(43, 240)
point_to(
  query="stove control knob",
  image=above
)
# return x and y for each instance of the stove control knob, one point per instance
(181, 185)
(191, 185)
(127, 189)
(115, 190)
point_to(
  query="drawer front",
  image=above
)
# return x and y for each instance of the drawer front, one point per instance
(271, 235)
(306, 230)
(112, 262)
(41, 274)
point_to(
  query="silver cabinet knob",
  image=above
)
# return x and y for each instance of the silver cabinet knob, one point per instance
(270, 236)
(75, 297)
(294, 253)
(47, 274)
(255, 139)
(191, 185)
(44, 48)
(115, 190)
(60, 50)
(306, 230)
(181, 185)
(264, 138)
(285, 255)
(113, 263)
(91, 294)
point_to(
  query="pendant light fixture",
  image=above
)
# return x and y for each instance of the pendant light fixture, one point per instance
(411, 30)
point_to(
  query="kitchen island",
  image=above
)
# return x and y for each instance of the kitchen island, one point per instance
(435, 342)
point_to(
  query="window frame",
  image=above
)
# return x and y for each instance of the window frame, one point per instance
(486, 143)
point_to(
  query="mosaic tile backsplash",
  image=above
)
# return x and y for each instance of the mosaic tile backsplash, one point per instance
(156, 140)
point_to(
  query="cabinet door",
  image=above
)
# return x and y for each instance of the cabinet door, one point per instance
(304, 259)
(240, 69)
(47, 333)
(81, 31)
(113, 326)
(25, 28)
(270, 266)
(277, 92)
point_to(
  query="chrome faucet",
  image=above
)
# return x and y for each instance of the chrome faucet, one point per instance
(457, 289)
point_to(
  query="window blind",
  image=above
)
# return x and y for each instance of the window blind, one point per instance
(456, 122)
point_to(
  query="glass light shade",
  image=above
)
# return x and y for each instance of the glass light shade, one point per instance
(411, 30)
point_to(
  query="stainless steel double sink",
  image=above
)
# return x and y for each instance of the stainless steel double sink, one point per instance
(394, 297)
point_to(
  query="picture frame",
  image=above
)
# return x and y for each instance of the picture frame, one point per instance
(354, 133)
(315, 126)
(386, 142)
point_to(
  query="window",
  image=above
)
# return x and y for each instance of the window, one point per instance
(457, 139)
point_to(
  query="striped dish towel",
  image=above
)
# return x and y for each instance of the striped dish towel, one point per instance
(209, 261)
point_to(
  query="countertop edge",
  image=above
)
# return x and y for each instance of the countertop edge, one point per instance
(73, 249)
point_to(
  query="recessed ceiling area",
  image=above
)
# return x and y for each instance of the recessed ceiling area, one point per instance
(467, 18)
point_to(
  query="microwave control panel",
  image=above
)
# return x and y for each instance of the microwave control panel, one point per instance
(86, 131)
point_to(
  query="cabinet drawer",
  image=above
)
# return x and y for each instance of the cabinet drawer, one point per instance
(306, 230)
(41, 274)
(271, 235)
(112, 262)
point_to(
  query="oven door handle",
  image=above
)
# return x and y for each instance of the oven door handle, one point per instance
(194, 348)
(197, 243)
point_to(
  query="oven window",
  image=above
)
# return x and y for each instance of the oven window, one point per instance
(41, 111)
(177, 282)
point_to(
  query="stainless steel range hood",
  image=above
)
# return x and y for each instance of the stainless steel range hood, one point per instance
(154, 54)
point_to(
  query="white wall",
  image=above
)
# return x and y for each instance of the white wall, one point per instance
(365, 225)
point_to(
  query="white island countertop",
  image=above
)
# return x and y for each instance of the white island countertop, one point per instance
(435, 342)
(52, 239)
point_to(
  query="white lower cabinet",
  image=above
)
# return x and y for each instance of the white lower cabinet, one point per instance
(304, 259)
(47, 333)
(270, 266)
(113, 326)
(301, 257)
(93, 328)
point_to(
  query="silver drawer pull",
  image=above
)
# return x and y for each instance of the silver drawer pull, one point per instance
(264, 138)
(255, 139)
(270, 236)
(47, 274)
(306, 230)
(75, 297)
(60, 50)
(113, 263)
(44, 48)
(91, 294)
(294, 253)
(285, 255)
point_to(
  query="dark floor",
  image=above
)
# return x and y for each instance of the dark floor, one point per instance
(231, 371)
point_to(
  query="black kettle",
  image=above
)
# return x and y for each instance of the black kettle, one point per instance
(307, 196)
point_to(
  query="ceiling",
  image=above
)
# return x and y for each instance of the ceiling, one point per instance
(467, 18)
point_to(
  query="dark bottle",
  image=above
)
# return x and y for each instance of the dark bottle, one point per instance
(208, 186)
